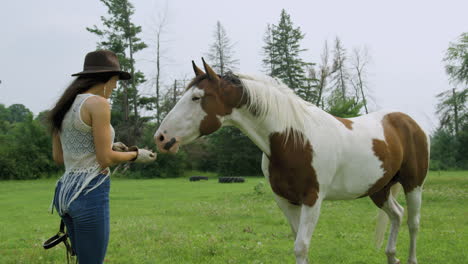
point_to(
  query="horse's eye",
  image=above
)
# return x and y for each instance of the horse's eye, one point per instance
(195, 98)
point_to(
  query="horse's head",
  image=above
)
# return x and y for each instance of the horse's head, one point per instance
(208, 99)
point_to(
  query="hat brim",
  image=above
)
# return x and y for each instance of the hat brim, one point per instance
(122, 74)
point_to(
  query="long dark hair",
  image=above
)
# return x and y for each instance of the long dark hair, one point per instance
(79, 85)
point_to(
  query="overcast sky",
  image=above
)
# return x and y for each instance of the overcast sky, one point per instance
(43, 42)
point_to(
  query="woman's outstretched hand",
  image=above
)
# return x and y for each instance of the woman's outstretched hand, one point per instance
(144, 155)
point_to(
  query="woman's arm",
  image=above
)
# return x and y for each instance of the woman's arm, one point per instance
(57, 153)
(99, 110)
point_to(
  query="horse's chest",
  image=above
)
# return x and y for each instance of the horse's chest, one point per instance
(291, 173)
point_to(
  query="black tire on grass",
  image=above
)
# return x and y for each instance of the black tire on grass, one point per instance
(197, 178)
(231, 180)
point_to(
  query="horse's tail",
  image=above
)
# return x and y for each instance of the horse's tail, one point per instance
(382, 219)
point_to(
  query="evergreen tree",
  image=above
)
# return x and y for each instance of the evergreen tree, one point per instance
(221, 52)
(268, 50)
(120, 35)
(449, 144)
(282, 55)
(453, 110)
(457, 60)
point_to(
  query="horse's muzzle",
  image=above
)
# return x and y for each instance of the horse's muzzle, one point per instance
(166, 143)
(169, 144)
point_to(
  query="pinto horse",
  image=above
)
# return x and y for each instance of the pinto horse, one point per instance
(308, 155)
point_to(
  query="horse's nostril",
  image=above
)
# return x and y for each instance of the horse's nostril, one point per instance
(161, 138)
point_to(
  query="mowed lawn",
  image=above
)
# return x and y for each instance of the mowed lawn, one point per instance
(177, 221)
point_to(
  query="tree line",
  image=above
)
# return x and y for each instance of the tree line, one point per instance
(337, 83)
(450, 140)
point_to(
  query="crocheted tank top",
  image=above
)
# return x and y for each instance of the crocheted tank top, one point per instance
(79, 155)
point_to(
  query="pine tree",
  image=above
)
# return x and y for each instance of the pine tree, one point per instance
(120, 35)
(282, 55)
(453, 110)
(221, 52)
(457, 60)
(268, 50)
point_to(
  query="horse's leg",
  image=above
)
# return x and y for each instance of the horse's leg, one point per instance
(410, 175)
(413, 199)
(395, 213)
(308, 220)
(291, 211)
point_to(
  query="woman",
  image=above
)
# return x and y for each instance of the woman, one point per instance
(82, 140)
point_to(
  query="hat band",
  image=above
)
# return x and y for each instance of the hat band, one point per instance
(100, 68)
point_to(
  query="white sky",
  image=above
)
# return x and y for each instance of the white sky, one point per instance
(43, 42)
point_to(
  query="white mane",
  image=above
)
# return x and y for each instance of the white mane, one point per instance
(270, 97)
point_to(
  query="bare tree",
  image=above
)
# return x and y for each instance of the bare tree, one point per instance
(159, 31)
(221, 51)
(359, 61)
(322, 75)
(340, 75)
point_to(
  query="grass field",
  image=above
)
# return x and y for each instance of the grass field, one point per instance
(177, 221)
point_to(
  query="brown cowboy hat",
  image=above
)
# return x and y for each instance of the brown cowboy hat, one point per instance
(102, 61)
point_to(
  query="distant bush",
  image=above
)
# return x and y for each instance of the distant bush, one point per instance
(25, 146)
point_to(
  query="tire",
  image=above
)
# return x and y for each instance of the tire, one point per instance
(231, 180)
(197, 178)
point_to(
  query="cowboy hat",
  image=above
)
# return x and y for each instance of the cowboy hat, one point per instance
(102, 61)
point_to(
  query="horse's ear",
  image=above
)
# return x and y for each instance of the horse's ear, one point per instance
(197, 70)
(211, 74)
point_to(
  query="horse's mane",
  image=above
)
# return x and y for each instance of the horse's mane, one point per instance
(270, 97)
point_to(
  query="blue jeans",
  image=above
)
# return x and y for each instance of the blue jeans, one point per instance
(87, 221)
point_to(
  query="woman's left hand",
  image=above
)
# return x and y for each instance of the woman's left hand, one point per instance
(120, 147)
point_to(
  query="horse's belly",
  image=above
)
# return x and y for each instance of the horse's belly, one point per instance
(354, 181)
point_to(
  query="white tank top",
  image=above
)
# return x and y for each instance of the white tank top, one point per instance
(79, 155)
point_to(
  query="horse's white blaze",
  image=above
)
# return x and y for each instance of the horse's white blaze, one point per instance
(188, 114)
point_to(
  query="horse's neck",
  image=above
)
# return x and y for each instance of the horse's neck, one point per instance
(259, 131)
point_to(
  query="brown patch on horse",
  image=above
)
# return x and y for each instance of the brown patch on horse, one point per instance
(291, 173)
(195, 81)
(221, 97)
(404, 155)
(346, 122)
(416, 151)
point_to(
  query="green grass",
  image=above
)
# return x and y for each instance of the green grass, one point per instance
(177, 221)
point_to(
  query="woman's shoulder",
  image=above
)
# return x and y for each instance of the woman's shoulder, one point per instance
(95, 103)
(94, 99)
